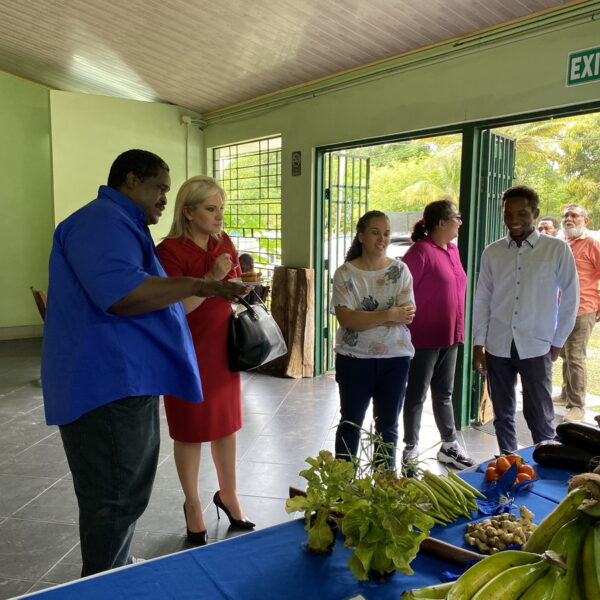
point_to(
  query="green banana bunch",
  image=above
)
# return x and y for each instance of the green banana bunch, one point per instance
(431, 592)
(450, 497)
(510, 584)
(590, 562)
(543, 588)
(568, 542)
(563, 513)
(474, 579)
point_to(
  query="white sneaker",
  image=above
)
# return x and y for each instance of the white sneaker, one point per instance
(456, 456)
(410, 454)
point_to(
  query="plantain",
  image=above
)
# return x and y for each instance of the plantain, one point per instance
(543, 588)
(568, 542)
(428, 593)
(480, 573)
(510, 584)
(563, 513)
(589, 562)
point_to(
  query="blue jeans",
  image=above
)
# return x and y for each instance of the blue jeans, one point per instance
(359, 380)
(112, 452)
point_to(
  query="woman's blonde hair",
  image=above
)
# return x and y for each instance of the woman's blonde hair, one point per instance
(192, 193)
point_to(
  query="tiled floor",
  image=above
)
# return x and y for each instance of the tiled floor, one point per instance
(285, 420)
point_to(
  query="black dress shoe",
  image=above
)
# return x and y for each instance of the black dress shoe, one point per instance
(240, 523)
(200, 538)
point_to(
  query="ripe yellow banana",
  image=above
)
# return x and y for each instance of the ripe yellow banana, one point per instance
(589, 562)
(563, 513)
(472, 580)
(511, 584)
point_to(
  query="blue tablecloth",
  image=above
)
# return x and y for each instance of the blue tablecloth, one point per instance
(274, 563)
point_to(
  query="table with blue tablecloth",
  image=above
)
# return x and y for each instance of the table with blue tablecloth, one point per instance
(274, 563)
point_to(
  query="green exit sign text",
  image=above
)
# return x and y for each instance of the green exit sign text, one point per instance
(583, 66)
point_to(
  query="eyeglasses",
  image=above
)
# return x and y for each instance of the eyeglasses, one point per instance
(573, 215)
(457, 217)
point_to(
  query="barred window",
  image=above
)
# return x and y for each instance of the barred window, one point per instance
(250, 173)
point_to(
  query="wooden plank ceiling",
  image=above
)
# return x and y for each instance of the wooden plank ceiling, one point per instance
(205, 55)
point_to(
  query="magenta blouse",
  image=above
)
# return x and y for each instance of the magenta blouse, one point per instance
(439, 283)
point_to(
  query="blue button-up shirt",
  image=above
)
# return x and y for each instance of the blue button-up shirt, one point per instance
(517, 296)
(91, 357)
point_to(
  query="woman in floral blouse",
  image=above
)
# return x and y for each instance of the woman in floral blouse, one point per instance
(373, 302)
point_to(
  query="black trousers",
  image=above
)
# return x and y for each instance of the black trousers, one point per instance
(538, 410)
(430, 367)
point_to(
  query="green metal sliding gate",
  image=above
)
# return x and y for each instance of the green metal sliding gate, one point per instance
(489, 163)
(345, 199)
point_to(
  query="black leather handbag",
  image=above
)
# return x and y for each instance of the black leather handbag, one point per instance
(254, 338)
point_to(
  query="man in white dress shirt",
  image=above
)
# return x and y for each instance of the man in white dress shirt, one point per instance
(519, 325)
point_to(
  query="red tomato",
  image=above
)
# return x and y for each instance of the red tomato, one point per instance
(502, 465)
(514, 458)
(528, 470)
(492, 474)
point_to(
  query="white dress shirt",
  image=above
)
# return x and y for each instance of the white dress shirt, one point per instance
(517, 296)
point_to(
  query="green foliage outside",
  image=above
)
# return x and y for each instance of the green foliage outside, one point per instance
(559, 158)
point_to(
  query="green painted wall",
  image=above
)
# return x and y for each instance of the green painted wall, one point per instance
(512, 71)
(89, 132)
(25, 197)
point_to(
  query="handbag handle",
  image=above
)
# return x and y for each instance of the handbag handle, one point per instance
(248, 306)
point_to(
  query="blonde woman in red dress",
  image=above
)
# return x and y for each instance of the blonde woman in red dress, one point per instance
(196, 246)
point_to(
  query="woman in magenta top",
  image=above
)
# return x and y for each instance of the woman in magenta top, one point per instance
(196, 246)
(439, 283)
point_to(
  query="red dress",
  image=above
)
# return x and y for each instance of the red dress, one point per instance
(220, 414)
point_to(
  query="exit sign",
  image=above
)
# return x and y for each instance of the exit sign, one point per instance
(583, 66)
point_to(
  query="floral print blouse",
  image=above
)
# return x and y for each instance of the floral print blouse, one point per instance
(356, 289)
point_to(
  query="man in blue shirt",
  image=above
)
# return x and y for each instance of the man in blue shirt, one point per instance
(519, 325)
(116, 338)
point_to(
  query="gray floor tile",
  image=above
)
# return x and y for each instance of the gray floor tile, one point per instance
(303, 425)
(13, 587)
(15, 491)
(39, 460)
(39, 586)
(30, 548)
(266, 479)
(57, 504)
(147, 544)
(281, 449)
(62, 573)
(261, 403)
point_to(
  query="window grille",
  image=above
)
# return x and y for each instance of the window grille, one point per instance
(250, 173)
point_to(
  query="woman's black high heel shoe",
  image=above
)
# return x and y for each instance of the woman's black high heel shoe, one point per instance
(240, 523)
(200, 538)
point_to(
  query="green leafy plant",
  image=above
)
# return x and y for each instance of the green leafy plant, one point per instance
(384, 523)
(382, 516)
(327, 477)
